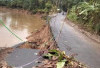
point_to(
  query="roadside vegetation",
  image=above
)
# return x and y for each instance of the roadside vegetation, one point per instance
(87, 14)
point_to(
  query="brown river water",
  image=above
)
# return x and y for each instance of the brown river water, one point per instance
(19, 23)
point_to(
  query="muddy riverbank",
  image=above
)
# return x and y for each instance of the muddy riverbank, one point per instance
(42, 39)
(21, 11)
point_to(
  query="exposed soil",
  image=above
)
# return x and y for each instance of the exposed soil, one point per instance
(15, 10)
(22, 11)
(42, 39)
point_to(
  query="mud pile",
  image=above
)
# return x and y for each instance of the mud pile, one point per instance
(42, 39)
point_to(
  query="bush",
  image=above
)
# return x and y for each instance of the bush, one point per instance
(87, 14)
(72, 15)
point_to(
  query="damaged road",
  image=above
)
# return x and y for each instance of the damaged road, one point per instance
(27, 55)
(73, 42)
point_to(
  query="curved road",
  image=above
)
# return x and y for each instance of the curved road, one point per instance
(74, 42)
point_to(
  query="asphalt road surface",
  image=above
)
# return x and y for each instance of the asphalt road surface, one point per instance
(23, 58)
(74, 42)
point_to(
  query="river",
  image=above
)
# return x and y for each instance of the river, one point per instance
(19, 23)
(74, 42)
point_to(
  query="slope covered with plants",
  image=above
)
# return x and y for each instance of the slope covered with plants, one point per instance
(87, 14)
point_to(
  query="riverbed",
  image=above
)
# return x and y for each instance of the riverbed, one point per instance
(21, 24)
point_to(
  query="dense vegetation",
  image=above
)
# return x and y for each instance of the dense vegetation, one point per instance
(31, 5)
(87, 14)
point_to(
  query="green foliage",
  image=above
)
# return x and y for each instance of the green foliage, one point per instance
(88, 14)
(72, 15)
(60, 57)
(56, 53)
(32, 5)
(67, 4)
(61, 64)
(97, 28)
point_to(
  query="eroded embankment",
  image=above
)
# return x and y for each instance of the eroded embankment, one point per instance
(42, 39)
(21, 11)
